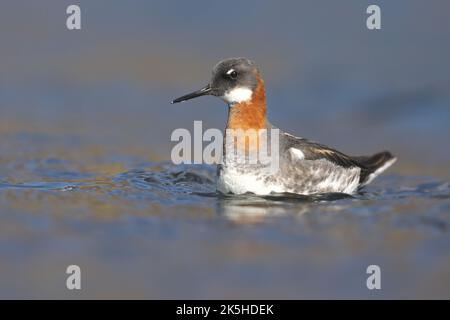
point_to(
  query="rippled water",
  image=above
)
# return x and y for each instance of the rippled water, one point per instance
(141, 229)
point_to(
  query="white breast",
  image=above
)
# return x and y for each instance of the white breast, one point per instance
(232, 180)
(306, 177)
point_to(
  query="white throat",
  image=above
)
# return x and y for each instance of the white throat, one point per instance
(237, 95)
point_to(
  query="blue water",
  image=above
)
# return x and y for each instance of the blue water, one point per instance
(160, 230)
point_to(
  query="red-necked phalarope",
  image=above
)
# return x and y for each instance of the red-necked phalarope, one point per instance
(305, 167)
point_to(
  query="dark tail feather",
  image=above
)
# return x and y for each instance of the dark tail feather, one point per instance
(376, 161)
(374, 165)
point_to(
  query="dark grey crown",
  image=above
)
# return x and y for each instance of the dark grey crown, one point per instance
(231, 73)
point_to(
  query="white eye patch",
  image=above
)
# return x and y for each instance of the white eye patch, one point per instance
(230, 71)
(237, 95)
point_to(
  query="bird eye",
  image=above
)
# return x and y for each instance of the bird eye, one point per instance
(232, 74)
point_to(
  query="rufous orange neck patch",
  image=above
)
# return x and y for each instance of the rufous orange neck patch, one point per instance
(249, 114)
(249, 117)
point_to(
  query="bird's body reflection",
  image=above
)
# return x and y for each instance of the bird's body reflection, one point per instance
(248, 209)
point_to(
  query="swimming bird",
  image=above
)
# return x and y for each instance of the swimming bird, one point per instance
(304, 167)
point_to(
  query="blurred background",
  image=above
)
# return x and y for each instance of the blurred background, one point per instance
(80, 109)
(328, 77)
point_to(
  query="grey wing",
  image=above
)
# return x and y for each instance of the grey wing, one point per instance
(315, 151)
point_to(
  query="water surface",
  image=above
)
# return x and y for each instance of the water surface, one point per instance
(145, 229)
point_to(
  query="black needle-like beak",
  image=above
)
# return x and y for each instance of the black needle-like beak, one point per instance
(202, 92)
